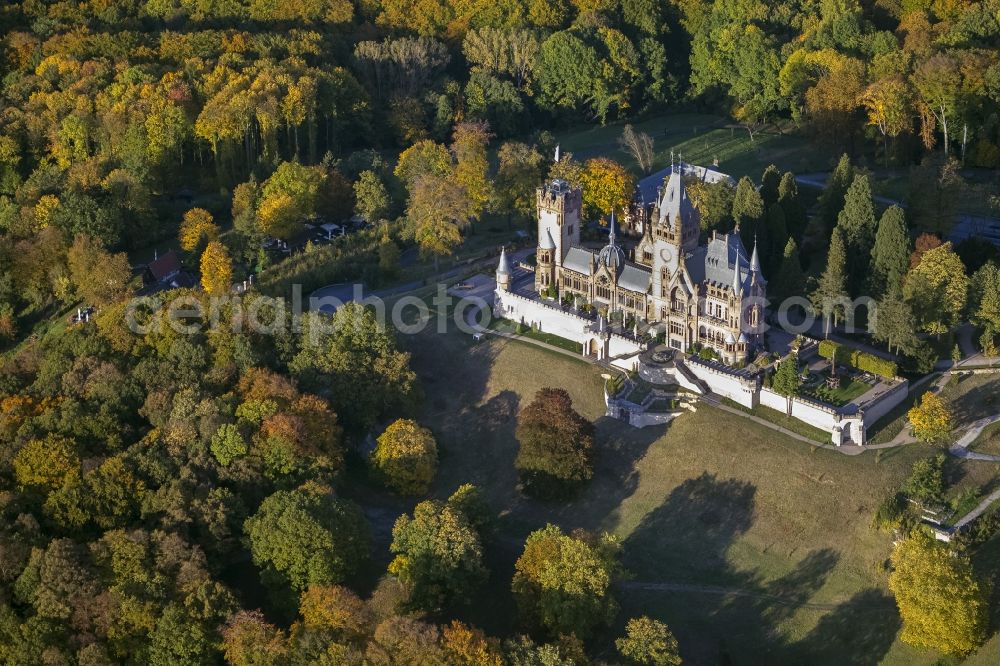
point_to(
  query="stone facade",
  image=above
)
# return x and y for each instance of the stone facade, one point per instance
(711, 295)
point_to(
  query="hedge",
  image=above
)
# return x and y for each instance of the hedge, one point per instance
(858, 359)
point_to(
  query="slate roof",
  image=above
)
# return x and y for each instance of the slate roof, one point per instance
(634, 278)
(579, 260)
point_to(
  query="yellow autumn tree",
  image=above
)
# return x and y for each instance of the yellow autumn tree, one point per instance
(942, 604)
(932, 419)
(216, 269)
(471, 164)
(196, 225)
(405, 456)
(607, 185)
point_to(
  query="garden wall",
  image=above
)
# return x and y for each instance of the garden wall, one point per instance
(546, 319)
(774, 400)
(884, 404)
(815, 414)
(735, 387)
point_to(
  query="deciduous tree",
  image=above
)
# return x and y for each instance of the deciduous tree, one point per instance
(648, 642)
(556, 445)
(564, 583)
(607, 186)
(942, 603)
(931, 420)
(405, 456)
(216, 270)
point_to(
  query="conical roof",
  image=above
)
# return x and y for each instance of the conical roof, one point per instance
(545, 242)
(504, 266)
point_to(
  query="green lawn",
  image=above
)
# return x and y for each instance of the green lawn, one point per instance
(507, 326)
(701, 139)
(847, 391)
(988, 440)
(713, 499)
(785, 421)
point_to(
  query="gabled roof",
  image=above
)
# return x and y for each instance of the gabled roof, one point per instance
(720, 259)
(634, 278)
(579, 260)
(165, 266)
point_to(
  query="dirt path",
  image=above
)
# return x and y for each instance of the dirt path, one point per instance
(648, 586)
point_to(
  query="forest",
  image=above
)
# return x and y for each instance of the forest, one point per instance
(174, 499)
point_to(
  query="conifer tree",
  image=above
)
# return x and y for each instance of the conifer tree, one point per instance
(748, 207)
(789, 279)
(795, 212)
(770, 181)
(857, 222)
(786, 378)
(891, 252)
(832, 199)
(832, 289)
(893, 322)
(777, 237)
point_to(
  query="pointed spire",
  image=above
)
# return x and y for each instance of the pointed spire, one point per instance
(504, 266)
(754, 259)
(557, 153)
(611, 231)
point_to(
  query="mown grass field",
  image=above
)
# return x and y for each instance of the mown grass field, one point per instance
(781, 530)
(701, 139)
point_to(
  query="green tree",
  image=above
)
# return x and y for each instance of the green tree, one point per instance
(786, 378)
(370, 196)
(564, 583)
(648, 642)
(770, 183)
(893, 322)
(941, 602)
(926, 481)
(228, 444)
(790, 279)
(937, 289)
(856, 222)
(405, 456)
(748, 206)
(891, 252)
(831, 201)
(831, 292)
(795, 213)
(777, 237)
(556, 445)
(439, 557)
(306, 537)
(357, 363)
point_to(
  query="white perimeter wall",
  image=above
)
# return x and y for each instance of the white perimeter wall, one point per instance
(545, 319)
(769, 398)
(725, 385)
(823, 418)
(876, 410)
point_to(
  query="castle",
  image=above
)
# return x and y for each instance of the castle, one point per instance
(710, 295)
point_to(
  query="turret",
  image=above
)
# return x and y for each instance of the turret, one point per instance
(503, 271)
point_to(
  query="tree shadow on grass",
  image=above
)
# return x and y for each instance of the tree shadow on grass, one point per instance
(859, 632)
(690, 532)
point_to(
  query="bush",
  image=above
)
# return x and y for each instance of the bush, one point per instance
(890, 513)
(858, 359)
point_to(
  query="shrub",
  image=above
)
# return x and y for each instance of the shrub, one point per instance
(858, 359)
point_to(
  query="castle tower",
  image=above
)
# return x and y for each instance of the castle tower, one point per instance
(676, 217)
(503, 271)
(558, 204)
